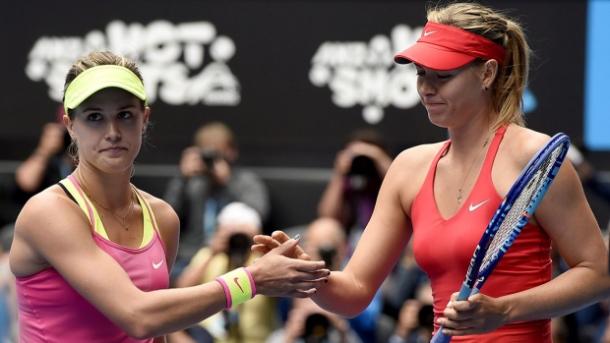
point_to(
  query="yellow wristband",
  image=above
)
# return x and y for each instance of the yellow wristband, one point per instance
(238, 286)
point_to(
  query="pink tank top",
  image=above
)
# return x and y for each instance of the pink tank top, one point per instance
(443, 248)
(50, 310)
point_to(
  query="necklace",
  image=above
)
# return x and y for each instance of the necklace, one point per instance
(122, 220)
(460, 192)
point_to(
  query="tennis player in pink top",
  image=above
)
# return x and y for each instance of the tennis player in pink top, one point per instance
(472, 67)
(92, 254)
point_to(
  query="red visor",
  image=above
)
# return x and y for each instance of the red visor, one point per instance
(445, 47)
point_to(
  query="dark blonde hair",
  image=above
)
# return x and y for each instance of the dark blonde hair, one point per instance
(511, 80)
(98, 58)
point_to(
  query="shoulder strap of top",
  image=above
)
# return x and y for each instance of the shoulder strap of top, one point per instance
(72, 184)
(493, 150)
(441, 152)
(149, 220)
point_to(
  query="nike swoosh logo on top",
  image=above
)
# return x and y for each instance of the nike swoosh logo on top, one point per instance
(427, 33)
(235, 279)
(472, 207)
(157, 265)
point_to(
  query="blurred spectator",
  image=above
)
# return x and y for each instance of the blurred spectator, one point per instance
(415, 323)
(589, 323)
(49, 163)
(8, 310)
(358, 171)
(403, 283)
(250, 322)
(309, 323)
(208, 181)
(589, 176)
(325, 240)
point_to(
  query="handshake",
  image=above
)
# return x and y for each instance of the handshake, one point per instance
(284, 269)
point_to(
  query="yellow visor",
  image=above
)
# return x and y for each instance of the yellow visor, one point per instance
(97, 78)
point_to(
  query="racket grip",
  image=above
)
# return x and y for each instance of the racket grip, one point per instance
(440, 337)
(465, 292)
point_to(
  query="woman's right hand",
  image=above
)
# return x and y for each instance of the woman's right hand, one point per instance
(279, 274)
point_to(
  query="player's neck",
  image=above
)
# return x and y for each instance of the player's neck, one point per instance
(468, 139)
(111, 190)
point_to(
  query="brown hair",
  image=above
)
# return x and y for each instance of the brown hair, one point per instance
(509, 85)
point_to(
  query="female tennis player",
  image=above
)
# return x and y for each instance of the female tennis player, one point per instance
(92, 253)
(472, 67)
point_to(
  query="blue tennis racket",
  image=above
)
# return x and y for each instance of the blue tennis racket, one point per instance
(512, 215)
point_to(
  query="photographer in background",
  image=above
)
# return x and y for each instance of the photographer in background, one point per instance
(49, 162)
(250, 322)
(358, 171)
(208, 181)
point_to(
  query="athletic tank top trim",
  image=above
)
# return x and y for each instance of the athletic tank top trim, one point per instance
(149, 222)
(484, 175)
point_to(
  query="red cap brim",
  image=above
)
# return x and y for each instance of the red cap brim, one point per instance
(433, 57)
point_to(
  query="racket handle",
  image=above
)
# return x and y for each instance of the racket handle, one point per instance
(465, 292)
(439, 336)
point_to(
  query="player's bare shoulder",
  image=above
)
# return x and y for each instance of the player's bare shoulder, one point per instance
(414, 162)
(52, 204)
(520, 144)
(410, 167)
(45, 218)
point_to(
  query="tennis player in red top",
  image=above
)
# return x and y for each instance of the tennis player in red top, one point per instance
(472, 66)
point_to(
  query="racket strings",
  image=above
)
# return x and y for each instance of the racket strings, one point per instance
(519, 213)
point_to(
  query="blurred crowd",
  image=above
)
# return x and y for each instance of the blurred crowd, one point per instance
(222, 206)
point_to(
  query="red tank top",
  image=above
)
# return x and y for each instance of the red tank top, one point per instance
(443, 248)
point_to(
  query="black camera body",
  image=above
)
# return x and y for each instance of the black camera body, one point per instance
(209, 157)
(363, 173)
(317, 329)
(327, 254)
(238, 249)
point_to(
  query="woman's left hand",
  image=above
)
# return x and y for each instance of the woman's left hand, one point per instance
(263, 244)
(478, 314)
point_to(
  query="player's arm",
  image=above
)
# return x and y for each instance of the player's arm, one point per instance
(566, 217)
(101, 280)
(564, 214)
(349, 291)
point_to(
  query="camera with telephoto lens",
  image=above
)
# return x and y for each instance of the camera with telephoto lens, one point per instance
(238, 248)
(362, 172)
(209, 157)
(327, 254)
(317, 329)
